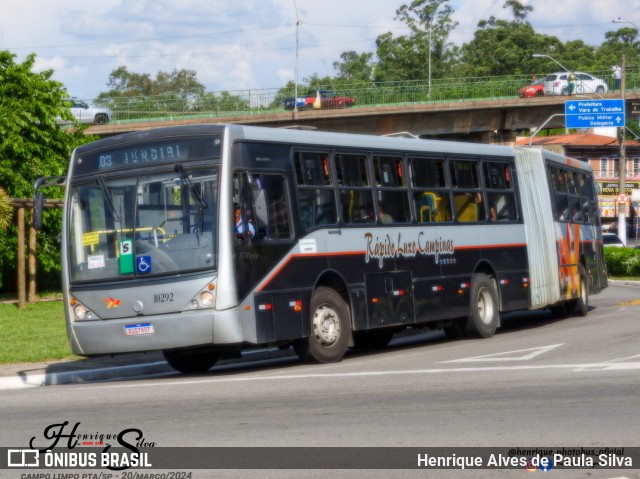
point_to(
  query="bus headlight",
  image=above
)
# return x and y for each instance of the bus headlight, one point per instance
(205, 299)
(82, 313)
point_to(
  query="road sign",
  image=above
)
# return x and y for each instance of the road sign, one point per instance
(593, 113)
(622, 199)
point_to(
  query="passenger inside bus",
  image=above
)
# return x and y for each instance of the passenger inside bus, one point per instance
(385, 218)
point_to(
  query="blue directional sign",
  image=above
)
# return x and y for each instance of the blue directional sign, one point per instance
(593, 113)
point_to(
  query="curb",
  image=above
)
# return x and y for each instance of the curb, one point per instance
(35, 378)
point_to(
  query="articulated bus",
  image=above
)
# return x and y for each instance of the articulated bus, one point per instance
(347, 239)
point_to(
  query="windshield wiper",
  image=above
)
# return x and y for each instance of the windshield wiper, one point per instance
(109, 198)
(202, 204)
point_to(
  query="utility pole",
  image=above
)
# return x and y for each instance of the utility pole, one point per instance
(622, 167)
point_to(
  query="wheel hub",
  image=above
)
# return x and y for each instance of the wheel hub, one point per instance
(326, 325)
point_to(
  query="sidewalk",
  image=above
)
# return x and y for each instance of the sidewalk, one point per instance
(102, 368)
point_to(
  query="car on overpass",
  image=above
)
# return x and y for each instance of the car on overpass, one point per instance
(319, 99)
(535, 89)
(83, 113)
(558, 84)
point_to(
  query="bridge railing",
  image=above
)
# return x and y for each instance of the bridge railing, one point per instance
(269, 100)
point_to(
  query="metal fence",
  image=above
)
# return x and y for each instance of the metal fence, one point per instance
(270, 100)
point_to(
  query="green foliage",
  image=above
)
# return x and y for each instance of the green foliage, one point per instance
(32, 144)
(622, 262)
(136, 96)
(6, 210)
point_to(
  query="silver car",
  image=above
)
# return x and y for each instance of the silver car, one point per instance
(558, 84)
(84, 113)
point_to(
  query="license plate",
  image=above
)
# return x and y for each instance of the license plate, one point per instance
(138, 329)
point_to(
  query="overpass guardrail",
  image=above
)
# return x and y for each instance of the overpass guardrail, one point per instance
(173, 106)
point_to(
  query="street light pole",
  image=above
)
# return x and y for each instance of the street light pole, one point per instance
(295, 82)
(540, 55)
(430, 30)
(620, 20)
(622, 167)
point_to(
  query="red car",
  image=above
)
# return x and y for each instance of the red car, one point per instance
(328, 99)
(535, 89)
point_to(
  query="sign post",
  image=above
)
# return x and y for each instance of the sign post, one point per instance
(594, 113)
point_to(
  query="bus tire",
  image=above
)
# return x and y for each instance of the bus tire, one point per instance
(581, 306)
(484, 314)
(190, 360)
(330, 328)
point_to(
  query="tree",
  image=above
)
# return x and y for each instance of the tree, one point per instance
(32, 144)
(124, 83)
(502, 47)
(178, 91)
(6, 210)
(355, 67)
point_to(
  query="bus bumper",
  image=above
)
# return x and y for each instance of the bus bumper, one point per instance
(154, 332)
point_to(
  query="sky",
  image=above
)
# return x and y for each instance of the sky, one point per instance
(247, 44)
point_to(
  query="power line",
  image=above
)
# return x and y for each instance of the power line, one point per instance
(124, 42)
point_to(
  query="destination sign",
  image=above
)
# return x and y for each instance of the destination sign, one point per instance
(147, 154)
(594, 113)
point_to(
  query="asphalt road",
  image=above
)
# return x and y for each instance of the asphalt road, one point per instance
(539, 382)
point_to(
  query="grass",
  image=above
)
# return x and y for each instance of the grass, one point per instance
(36, 333)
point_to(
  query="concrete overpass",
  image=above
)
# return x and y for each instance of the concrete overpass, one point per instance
(486, 121)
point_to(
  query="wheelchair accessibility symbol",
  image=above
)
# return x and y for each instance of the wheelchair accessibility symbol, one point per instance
(143, 264)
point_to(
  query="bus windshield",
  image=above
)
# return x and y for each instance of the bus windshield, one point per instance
(143, 225)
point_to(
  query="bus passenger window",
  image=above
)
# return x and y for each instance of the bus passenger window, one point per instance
(351, 170)
(432, 206)
(464, 174)
(562, 208)
(502, 207)
(312, 168)
(357, 206)
(315, 196)
(316, 207)
(469, 206)
(394, 204)
(388, 171)
(427, 172)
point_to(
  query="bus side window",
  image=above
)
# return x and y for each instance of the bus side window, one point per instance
(355, 193)
(502, 207)
(469, 206)
(315, 195)
(432, 207)
(271, 207)
(393, 202)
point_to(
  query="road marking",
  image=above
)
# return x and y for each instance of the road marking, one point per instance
(508, 356)
(571, 367)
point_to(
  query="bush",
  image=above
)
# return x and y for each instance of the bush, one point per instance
(622, 261)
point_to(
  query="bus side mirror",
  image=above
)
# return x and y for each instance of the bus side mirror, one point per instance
(38, 201)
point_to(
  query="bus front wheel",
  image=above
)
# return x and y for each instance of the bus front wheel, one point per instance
(330, 328)
(484, 312)
(191, 360)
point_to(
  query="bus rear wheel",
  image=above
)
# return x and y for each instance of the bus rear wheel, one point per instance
(580, 306)
(330, 328)
(484, 313)
(191, 360)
